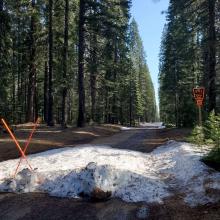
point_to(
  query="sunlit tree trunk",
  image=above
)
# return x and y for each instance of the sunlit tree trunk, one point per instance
(65, 56)
(50, 119)
(31, 96)
(212, 56)
(81, 52)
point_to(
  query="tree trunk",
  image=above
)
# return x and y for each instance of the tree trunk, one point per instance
(1, 5)
(81, 52)
(114, 101)
(46, 92)
(93, 95)
(93, 76)
(177, 110)
(130, 100)
(65, 57)
(50, 119)
(31, 96)
(212, 56)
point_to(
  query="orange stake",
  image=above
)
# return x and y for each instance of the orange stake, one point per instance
(16, 142)
(27, 144)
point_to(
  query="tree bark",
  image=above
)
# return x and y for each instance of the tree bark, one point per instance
(93, 77)
(50, 118)
(31, 97)
(81, 52)
(1, 5)
(65, 57)
(46, 92)
(114, 101)
(176, 93)
(212, 56)
(130, 100)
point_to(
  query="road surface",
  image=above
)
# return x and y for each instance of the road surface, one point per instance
(35, 206)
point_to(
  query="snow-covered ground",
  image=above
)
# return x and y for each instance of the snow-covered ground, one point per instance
(158, 125)
(129, 175)
(146, 125)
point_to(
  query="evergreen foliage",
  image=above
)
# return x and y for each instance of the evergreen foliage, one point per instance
(189, 51)
(209, 135)
(197, 136)
(212, 129)
(69, 64)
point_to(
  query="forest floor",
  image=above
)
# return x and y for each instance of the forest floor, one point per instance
(41, 206)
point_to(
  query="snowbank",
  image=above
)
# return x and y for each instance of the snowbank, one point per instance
(154, 125)
(126, 128)
(129, 175)
(146, 125)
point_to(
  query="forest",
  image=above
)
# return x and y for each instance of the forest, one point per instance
(189, 57)
(73, 62)
(80, 62)
(81, 127)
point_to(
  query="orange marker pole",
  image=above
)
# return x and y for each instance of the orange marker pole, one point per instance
(16, 142)
(27, 144)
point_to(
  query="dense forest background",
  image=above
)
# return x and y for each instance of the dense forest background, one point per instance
(189, 57)
(73, 62)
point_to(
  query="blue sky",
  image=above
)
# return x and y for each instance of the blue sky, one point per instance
(148, 15)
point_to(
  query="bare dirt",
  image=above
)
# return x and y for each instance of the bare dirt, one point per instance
(46, 138)
(43, 207)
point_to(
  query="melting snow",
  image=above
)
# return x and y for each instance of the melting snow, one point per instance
(145, 125)
(129, 175)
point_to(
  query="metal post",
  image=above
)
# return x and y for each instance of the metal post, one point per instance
(199, 95)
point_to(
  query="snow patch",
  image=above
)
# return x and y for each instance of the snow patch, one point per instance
(126, 128)
(146, 125)
(129, 175)
(158, 125)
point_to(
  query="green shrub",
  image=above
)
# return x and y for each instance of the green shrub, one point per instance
(212, 129)
(212, 136)
(213, 156)
(213, 159)
(169, 125)
(197, 136)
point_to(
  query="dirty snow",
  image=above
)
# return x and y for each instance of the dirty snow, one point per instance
(146, 125)
(154, 125)
(126, 128)
(129, 175)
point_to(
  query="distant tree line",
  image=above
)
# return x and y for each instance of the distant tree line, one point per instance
(189, 57)
(73, 62)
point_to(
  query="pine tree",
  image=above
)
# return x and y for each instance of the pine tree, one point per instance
(50, 116)
(81, 112)
(65, 67)
(184, 61)
(211, 55)
(143, 96)
(4, 54)
(31, 96)
(72, 63)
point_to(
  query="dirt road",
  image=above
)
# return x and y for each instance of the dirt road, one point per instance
(143, 140)
(41, 206)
